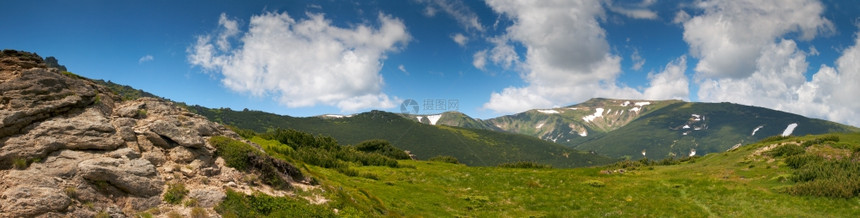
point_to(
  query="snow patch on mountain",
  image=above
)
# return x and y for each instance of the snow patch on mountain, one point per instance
(635, 109)
(598, 112)
(548, 111)
(640, 104)
(697, 117)
(625, 104)
(686, 127)
(789, 129)
(434, 118)
(419, 118)
(756, 130)
(539, 125)
(584, 133)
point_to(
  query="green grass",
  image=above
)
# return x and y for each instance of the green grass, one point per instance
(720, 184)
(260, 205)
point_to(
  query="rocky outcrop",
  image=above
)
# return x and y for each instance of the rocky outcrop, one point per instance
(70, 147)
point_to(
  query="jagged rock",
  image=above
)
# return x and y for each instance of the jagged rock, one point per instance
(32, 201)
(136, 177)
(124, 128)
(182, 136)
(130, 110)
(207, 197)
(206, 128)
(127, 153)
(88, 151)
(87, 129)
(181, 155)
(154, 139)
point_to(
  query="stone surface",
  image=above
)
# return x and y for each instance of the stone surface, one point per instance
(207, 197)
(182, 136)
(136, 177)
(88, 151)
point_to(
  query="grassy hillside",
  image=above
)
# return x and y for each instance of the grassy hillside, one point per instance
(679, 128)
(750, 181)
(473, 147)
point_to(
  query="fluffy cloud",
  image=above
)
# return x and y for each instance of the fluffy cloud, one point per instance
(145, 58)
(671, 83)
(303, 62)
(729, 36)
(460, 39)
(567, 56)
(770, 70)
(479, 59)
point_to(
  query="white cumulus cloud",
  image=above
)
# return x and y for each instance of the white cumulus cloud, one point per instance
(460, 39)
(729, 36)
(672, 83)
(567, 58)
(303, 62)
(745, 58)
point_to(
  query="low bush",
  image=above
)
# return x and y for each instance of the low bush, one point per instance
(382, 147)
(175, 192)
(594, 183)
(829, 178)
(444, 159)
(798, 161)
(786, 150)
(525, 164)
(246, 158)
(820, 140)
(261, 205)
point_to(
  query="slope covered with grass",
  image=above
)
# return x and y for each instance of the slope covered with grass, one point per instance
(682, 127)
(749, 181)
(474, 147)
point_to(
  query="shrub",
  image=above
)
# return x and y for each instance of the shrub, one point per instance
(141, 113)
(71, 191)
(594, 183)
(235, 153)
(829, 178)
(20, 163)
(191, 202)
(382, 147)
(175, 192)
(786, 150)
(259, 205)
(444, 159)
(797, 161)
(199, 212)
(820, 140)
(524, 164)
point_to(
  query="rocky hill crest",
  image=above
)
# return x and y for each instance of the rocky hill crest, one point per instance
(71, 147)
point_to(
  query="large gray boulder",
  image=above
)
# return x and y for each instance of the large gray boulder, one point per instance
(183, 136)
(136, 177)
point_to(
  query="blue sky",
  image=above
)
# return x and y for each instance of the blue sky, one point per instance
(495, 57)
